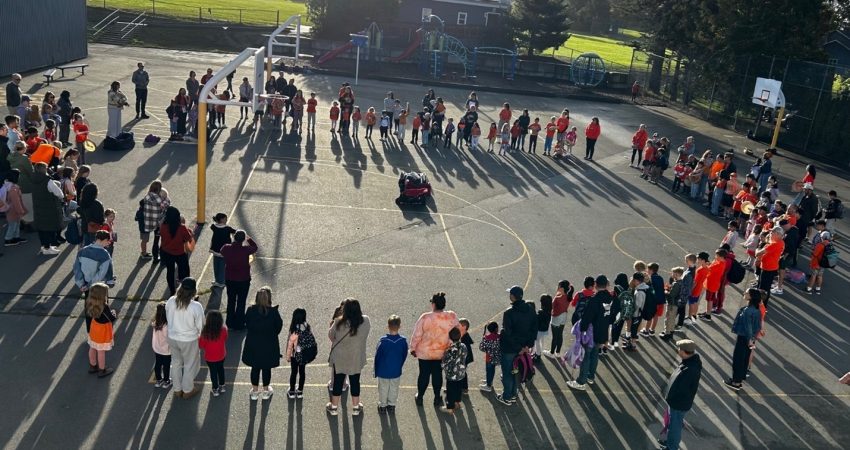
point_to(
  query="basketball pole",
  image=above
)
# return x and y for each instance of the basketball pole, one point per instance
(775, 139)
(202, 162)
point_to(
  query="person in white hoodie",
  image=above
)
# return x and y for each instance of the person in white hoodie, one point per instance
(185, 316)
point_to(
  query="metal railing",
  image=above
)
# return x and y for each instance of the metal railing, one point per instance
(105, 22)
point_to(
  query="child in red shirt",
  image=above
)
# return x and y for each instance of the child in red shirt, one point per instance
(515, 131)
(356, 117)
(551, 128)
(334, 113)
(311, 111)
(491, 137)
(535, 130)
(417, 122)
(212, 340)
(699, 284)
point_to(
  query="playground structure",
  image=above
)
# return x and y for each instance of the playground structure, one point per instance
(433, 47)
(587, 70)
(372, 49)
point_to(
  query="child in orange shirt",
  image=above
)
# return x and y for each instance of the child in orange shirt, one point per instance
(712, 282)
(491, 137)
(535, 130)
(476, 134)
(699, 284)
(344, 120)
(334, 114)
(356, 117)
(371, 119)
(81, 135)
(515, 131)
(414, 131)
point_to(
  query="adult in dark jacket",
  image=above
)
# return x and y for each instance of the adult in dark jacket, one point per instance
(680, 392)
(747, 328)
(91, 212)
(519, 330)
(593, 315)
(237, 277)
(262, 347)
(809, 206)
(47, 206)
(65, 113)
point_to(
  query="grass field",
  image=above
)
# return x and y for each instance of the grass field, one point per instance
(609, 49)
(255, 12)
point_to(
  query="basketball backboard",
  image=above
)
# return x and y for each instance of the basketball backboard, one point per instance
(768, 93)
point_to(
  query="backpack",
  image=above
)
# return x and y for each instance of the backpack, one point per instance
(839, 210)
(736, 272)
(524, 367)
(582, 302)
(627, 304)
(140, 212)
(306, 349)
(72, 232)
(829, 258)
(647, 311)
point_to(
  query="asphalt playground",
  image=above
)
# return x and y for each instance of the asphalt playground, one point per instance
(321, 209)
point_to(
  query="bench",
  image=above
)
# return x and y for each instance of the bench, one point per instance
(82, 68)
(48, 75)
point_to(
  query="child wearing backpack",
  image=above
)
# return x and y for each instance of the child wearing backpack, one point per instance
(212, 340)
(389, 360)
(301, 350)
(466, 340)
(492, 348)
(819, 262)
(544, 317)
(833, 213)
(454, 366)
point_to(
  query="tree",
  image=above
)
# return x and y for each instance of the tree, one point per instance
(593, 16)
(539, 24)
(336, 19)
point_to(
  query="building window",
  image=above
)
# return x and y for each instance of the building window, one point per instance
(461, 18)
(491, 18)
(426, 14)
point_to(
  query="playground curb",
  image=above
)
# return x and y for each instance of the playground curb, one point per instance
(478, 87)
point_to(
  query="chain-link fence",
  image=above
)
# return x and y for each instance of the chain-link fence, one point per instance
(196, 13)
(817, 116)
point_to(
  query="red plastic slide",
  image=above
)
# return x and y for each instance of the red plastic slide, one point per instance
(411, 49)
(334, 53)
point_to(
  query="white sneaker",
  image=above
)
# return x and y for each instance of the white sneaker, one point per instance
(777, 291)
(574, 385)
(48, 251)
(484, 387)
(255, 395)
(616, 345)
(688, 322)
(267, 393)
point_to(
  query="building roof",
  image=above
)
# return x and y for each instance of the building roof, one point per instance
(499, 4)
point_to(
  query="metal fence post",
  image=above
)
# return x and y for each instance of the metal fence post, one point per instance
(153, 6)
(240, 16)
(826, 73)
(200, 17)
(710, 101)
(278, 18)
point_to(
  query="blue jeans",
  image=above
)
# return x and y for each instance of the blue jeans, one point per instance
(218, 269)
(587, 371)
(490, 370)
(674, 433)
(13, 230)
(716, 198)
(508, 377)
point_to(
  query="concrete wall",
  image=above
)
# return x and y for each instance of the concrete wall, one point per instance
(41, 33)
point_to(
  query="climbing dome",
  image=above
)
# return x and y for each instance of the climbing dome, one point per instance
(587, 70)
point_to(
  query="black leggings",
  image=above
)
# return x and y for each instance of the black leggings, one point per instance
(740, 359)
(353, 382)
(557, 338)
(429, 368)
(591, 146)
(216, 373)
(255, 376)
(47, 238)
(162, 367)
(616, 330)
(182, 264)
(297, 371)
(765, 281)
(638, 152)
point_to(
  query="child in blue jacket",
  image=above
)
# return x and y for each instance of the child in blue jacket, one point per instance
(389, 359)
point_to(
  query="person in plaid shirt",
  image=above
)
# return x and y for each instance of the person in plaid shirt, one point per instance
(153, 208)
